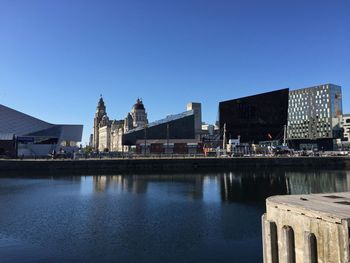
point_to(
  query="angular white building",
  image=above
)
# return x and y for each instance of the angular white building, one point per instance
(35, 137)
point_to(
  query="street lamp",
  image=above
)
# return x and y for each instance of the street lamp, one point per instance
(167, 139)
(145, 140)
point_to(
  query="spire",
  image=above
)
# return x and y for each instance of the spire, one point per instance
(101, 107)
(101, 103)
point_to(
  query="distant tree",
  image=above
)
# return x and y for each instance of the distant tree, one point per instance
(88, 149)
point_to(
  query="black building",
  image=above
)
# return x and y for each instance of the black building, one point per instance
(255, 118)
(180, 126)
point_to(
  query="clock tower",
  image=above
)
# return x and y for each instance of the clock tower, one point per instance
(100, 112)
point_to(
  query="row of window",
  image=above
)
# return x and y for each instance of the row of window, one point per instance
(306, 122)
(307, 135)
(309, 101)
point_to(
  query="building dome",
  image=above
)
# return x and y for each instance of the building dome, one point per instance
(138, 114)
(139, 105)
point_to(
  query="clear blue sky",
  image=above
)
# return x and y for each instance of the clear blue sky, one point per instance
(57, 57)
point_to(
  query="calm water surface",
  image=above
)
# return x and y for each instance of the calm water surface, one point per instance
(146, 218)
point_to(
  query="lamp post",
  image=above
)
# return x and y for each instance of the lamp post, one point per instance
(167, 138)
(145, 140)
(224, 140)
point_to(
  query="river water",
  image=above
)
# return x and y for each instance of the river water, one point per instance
(209, 217)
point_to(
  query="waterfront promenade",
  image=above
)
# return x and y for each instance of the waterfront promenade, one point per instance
(155, 165)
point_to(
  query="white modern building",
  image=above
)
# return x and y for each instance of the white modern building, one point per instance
(35, 137)
(346, 126)
(197, 109)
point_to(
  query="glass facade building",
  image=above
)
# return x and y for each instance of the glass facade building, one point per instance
(255, 118)
(179, 126)
(314, 116)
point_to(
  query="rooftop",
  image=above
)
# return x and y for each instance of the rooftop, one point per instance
(316, 86)
(165, 120)
(328, 207)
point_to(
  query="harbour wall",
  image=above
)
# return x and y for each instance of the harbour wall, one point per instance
(167, 165)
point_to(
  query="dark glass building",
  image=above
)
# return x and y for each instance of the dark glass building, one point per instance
(255, 118)
(179, 126)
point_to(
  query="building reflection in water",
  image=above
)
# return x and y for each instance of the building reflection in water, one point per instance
(317, 182)
(257, 185)
(100, 183)
(250, 185)
(191, 184)
(105, 183)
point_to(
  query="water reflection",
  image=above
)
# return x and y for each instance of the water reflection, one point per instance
(317, 182)
(258, 185)
(192, 185)
(147, 218)
(236, 186)
(252, 185)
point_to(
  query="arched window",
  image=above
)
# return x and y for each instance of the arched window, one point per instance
(289, 241)
(273, 242)
(311, 248)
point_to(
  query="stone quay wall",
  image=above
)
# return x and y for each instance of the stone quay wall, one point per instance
(168, 165)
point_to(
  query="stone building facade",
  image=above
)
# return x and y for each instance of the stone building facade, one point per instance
(100, 112)
(107, 134)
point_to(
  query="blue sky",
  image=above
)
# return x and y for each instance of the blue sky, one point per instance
(57, 57)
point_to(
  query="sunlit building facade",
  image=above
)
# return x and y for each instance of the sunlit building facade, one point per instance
(107, 134)
(314, 117)
(346, 126)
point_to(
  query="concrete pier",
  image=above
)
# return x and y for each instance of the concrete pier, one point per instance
(307, 228)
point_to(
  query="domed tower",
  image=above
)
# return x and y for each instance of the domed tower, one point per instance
(139, 115)
(100, 112)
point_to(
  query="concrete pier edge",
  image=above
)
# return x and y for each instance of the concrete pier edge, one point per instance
(169, 165)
